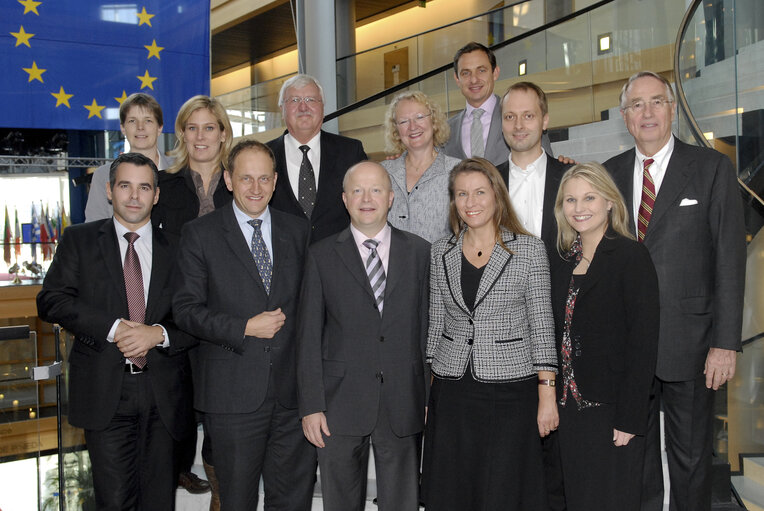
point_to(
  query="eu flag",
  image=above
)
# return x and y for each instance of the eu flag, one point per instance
(68, 64)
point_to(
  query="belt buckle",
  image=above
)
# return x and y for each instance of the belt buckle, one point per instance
(134, 369)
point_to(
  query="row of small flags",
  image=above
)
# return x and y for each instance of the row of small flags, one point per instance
(45, 228)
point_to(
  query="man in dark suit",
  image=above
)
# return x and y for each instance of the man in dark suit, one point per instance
(242, 267)
(479, 133)
(532, 175)
(360, 362)
(310, 161)
(129, 384)
(690, 218)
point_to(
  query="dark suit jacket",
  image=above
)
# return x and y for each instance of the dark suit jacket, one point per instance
(84, 291)
(178, 202)
(614, 330)
(329, 216)
(347, 353)
(221, 289)
(554, 172)
(699, 253)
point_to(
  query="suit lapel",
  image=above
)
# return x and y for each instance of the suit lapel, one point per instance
(232, 235)
(495, 138)
(677, 175)
(109, 247)
(398, 249)
(279, 153)
(348, 253)
(452, 264)
(554, 171)
(160, 270)
(499, 260)
(599, 265)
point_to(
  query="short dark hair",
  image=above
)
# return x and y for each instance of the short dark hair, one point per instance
(136, 159)
(142, 100)
(469, 48)
(526, 86)
(243, 145)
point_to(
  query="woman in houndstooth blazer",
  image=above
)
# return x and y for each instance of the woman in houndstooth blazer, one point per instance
(491, 350)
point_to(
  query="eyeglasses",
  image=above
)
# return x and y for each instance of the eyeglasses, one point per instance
(308, 100)
(418, 119)
(639, 106)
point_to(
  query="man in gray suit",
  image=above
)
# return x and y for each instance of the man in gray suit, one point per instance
(690, 217)
(361, 339)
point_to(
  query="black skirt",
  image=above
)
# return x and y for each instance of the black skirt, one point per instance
(482, 447)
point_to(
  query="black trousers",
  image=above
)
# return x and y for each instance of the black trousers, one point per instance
(133, 458)
(688, 423)
(267, 442)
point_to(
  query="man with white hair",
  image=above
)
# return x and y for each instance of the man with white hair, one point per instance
(311, 162)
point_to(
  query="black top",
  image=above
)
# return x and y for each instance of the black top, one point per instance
(470, 281)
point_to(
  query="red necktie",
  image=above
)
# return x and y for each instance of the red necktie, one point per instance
(648, 200)
(136, 302)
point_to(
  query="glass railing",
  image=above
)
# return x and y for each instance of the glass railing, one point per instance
(719, 69)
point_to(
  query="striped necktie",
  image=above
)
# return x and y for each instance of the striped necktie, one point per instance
(136, 300)
(477, 145)
(648, 200)
(376, 273)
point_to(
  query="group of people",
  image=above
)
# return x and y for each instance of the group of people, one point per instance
(522, 319)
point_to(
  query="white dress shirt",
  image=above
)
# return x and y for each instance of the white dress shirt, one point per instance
(657, 172)
(485, 119)
(265, 227)
(143, 247)
(294, 159)
(526, 192)
(383, 249)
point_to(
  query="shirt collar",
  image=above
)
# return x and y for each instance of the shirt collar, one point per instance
(383, 236)
(658, 157)
(313, 143)
(243, 219)
(144, 231)
(538, 165)
(487, 106)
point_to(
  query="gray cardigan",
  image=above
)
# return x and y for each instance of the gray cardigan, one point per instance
(510, 333)
(424, 211)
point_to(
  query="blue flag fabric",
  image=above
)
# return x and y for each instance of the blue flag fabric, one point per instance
(68, 64)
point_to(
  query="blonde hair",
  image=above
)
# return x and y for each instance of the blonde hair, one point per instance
(599, 178)
(503, 216)
(180, 152)
(440, 129)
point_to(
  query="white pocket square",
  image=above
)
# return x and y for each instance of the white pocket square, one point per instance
(688, 202)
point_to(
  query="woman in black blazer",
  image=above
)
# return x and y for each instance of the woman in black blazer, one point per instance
(605, 301)
(194, 184)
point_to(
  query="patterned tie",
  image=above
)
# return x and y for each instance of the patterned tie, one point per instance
(307, 186)
(648, 200)
(376, 273)
(476, 134)
(260, 253)
(136, 301)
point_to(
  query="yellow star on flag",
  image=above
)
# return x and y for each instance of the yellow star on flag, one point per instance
(35, 73)
(144, 17)
(22, 37)
(154, 49)
(62, 98)
(122, 97)
(146, 80)
(94, 109)
(30, 6)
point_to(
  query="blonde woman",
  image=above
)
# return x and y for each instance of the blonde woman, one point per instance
(416, 129)
(194, 186)
(605, 302)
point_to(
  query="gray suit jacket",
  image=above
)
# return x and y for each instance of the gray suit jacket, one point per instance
(347, 353)
(696, 238)
(221, 289)
(496, 149)
(509, 335)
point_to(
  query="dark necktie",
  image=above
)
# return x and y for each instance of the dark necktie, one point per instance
(136, 301)
(376, 273)
(307, 187)
(648, 200)
(260, 253)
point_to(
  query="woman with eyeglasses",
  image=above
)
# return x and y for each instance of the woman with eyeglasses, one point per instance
(416, 127)
(605, 302)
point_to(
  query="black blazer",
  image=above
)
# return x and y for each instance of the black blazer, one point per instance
(221, 289)
(554, 172)
(696, 238)
(329, 216)
(614, 330)
(84, 291)
(345, 347)
(178, 202)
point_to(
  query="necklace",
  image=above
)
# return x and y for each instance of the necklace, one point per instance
(588, 261)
